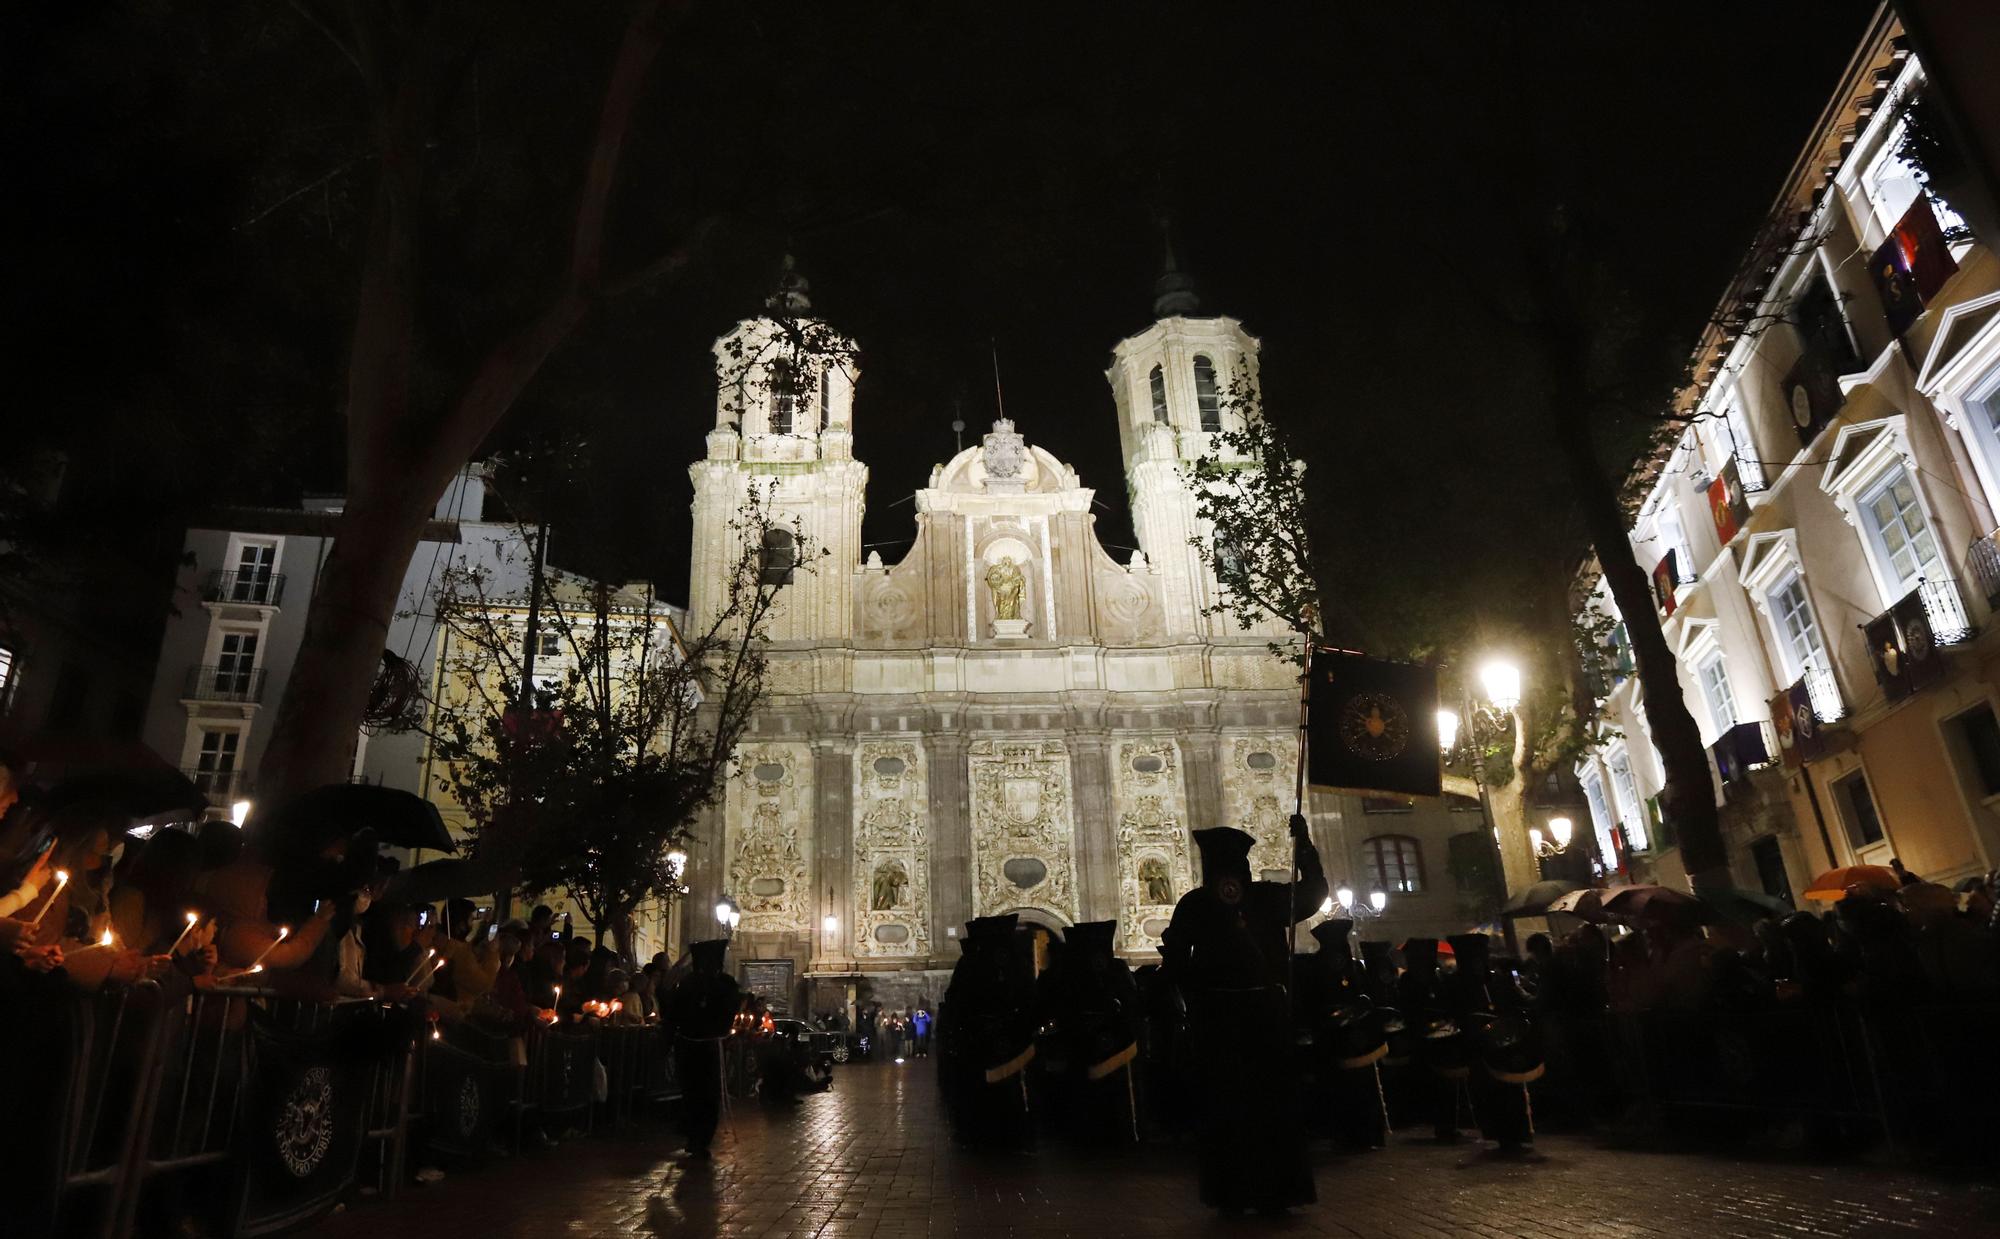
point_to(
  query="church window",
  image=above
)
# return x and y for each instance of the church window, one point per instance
(780, 556)
(1159, 385)
(784, 397)
(1206, 401)
(1394, 863)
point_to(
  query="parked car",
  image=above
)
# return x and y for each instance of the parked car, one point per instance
(810, 1053)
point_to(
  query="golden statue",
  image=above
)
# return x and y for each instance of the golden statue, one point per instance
(1006, 582)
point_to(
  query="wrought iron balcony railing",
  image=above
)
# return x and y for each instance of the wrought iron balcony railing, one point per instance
(261, 589)
(1905, 641)
(1950, 625)
(226, 683)
(1824, 693)
(1982, 562)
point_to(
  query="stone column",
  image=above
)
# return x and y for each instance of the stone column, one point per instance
(1096, 843)
(1202, 744)
(951, 837)
(833, 824)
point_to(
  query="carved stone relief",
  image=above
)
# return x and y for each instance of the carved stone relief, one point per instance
(1154, 860)
(1257, 795)
(892, 854)
(1023, 832)
(769, 824)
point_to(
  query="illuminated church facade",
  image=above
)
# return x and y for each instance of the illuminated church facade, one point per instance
(1008, 718)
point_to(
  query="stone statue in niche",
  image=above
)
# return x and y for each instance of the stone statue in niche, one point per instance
(1005, 580)
(1154, 883)
(889, 882)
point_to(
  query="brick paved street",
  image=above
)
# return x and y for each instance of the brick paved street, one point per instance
(872, 1158)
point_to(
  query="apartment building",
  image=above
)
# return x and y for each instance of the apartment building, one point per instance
(1821, 538)
(244, 588)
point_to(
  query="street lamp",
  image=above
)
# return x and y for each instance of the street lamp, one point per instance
(1502, 682)
(830, 923)
(1560, 831)
(239, 812)
(1378, 899)
(1342, 900)
(1447, 730)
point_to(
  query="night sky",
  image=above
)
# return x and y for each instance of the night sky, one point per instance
(952, 181)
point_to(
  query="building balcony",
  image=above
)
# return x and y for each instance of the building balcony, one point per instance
(220, 786)
(1905, 641)
(1945, 609)
(1738, 751)
(255, 589)
(1982, 563)
(224, 684)
(1824, 692)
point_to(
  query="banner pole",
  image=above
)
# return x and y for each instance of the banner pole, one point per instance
(1298, 810)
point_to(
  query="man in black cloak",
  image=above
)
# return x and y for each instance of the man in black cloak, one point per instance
(1090, 1007)
(1488, 1004)
(988, 1021)
(701, 1009)
(1349, 1041)
(1227, 948)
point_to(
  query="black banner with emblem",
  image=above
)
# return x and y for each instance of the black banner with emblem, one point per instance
(301, 1131)
(1371, 725)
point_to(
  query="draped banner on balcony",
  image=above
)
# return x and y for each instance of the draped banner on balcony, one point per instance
(1812, 393)
(1797, 726)
(1666, 575)
(1912, 265)
(1371, 725)
(1726, 504)
(1923, 663)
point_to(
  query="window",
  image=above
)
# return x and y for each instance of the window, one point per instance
(1631, 812)
(235, 662)
(252, 579)
(1977, 733)
(1673, 540)
(1899, 534)
(1793, 618)
(1601, 820)
(1742, 448)
(1206, 402)
(784, 397)
(548, 644)
(215, 763)
(1857, 809)
(1822, 327)
(1395, 863)
(1891, 185)
(1158, 382)
(1715, 689)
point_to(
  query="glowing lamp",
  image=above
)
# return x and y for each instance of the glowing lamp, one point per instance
(1559, 830)
(1326, 906)
(677, 860)
(239, 812)
(722, 912)
(1535, 839)
(1502, 682)
(1378, 900)
(1447, 730)
(1344, 896)
(830, 923)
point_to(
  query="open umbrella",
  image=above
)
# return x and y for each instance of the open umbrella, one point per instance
(399, 818)
(1585, 904)
(1743, 907)
(1535, 900)
(1832, 885)
(157, 792)
(1652, 903)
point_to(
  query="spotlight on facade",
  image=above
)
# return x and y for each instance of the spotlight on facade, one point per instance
(830, 923)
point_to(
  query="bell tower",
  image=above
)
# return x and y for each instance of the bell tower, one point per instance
(784, 423)
(1176, 384)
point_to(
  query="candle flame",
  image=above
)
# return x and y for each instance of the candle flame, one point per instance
(62, 876)
(191, 918)
(105, 940)
(256, 967)
(284, 931)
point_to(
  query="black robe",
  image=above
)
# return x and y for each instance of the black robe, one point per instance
(701, 1010)
(1227, 948)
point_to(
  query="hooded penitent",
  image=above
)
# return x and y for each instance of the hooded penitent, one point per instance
(1225, 853)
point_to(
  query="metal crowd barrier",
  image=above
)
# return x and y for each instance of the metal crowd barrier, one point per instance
(267, 1111)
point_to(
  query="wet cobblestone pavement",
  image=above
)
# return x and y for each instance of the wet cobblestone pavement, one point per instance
(872, 1158)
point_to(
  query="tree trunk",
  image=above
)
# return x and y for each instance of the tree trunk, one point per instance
(1688, 799)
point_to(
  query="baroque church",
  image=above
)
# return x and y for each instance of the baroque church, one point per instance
(1008, 719)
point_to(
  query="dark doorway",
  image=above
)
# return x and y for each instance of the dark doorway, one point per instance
(1771, 869)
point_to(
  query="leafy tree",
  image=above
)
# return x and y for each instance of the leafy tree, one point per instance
(588, 780)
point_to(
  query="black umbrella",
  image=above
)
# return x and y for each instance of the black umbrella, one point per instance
(159, 792)
(339, 810)
(1535, 900)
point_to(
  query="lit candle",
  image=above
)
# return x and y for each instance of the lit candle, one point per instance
(103, 940)
(412, 978)
(62, 880)
(257, 964)
(191, 918)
